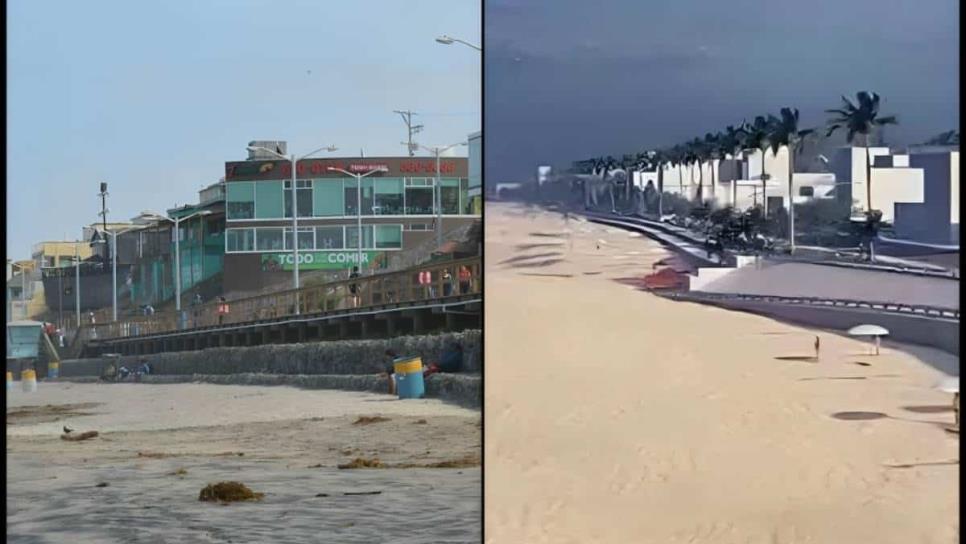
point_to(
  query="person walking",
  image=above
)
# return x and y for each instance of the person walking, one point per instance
(354, 287)
(818, 344)
(465, 277)
(447, 283)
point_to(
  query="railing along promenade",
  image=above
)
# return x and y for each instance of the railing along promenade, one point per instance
(450, 280)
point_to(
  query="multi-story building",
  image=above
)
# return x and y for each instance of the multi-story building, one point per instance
(475, 163)
(397, 212)
(57, 254)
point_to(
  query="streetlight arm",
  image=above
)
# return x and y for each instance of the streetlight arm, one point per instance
(468, 44)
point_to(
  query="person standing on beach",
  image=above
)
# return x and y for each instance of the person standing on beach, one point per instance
(818, 344)
(390, 373)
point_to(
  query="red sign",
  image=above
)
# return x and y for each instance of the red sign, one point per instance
(318, 168)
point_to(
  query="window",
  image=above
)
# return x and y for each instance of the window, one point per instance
(327, 198)
(450, 196)
(306, 238)
(329, 237)
(269, 200)
(388, 196)
(351, 193)
(239, 240)
(806, 191)
(419, 226)
(269, 239)
(419, 200)
(352, 237)
(241, 200)
(388, 236)
(305, 202)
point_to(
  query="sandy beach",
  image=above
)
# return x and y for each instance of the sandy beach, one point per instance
(159, 445)
(613, 415)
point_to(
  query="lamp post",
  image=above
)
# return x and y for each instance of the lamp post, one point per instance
(446, 40)
(358, 206)
(77, 299)
(295, 208)
(177, 251)
(113, 249)
(438, 193)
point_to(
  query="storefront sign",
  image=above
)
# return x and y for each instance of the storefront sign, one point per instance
(320, 260)
(319, 168)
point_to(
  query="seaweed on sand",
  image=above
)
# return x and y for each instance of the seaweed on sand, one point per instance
(360, 462)
(367, 420)
(228, 492)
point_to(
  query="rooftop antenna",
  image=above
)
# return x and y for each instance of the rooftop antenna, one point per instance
(103, 213)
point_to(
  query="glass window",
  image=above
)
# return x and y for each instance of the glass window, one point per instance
(419, 200)
(806, 191)
(240, 240)
(388, 196)
(450, 196)
(349, 196)
(306, 240)
(241, 200)
(328, 198)
(388, 236)
(352, 237)
(269, 200)
(329, 237)
(466, 207)
(269, 239)
(304, 201)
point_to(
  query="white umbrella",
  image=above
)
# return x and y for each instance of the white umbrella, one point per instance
(870, 330)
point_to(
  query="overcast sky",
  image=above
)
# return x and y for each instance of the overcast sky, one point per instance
(571, 79)
(154, 97)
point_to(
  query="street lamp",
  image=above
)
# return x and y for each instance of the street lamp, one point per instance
(446, 40)
(438, 193)
(113, 249)
(359, 205)
(177, 251)
(295, 208)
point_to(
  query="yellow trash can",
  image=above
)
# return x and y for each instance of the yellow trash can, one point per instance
(29, 379)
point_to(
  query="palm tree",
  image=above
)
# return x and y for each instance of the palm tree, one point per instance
(785, 132)
(733, 141)
(697, 155)
(676, 158)
(659, 158)
(757, 139)
(713, 144)
(862, 119)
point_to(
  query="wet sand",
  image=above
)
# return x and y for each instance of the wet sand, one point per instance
(613, 415)
(159, 445)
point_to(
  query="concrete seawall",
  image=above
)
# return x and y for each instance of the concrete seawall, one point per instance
(350, 364)
(941, 334)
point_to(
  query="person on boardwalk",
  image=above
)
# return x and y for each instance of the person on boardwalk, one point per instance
(447, 283)
(354, 287)
(465, 277)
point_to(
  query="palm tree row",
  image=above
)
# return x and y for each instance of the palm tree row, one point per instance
(765, 133)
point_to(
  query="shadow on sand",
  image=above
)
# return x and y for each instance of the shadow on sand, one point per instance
(801, 358)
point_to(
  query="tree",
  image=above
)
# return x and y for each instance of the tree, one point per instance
(676, 158)
(733, 141)
(697, 154)
(785, 132)
(757, 139)
(713, 145)
(659, 158)
(861, 120)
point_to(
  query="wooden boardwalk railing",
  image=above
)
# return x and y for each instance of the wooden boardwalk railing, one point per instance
(450, 279)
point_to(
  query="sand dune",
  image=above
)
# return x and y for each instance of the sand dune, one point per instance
(617, 416)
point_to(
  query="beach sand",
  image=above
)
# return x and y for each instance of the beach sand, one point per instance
(161, 444)
(613, 415)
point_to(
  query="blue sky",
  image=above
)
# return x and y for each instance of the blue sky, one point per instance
(154, 97)
(573, 79)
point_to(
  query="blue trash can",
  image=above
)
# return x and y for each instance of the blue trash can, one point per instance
(409, 377)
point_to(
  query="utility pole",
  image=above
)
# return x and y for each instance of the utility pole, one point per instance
(411, 129)
(103, 213)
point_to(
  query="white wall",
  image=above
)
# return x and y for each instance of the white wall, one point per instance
(891, 186)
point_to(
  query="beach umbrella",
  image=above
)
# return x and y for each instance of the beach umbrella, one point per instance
(874, 331)
(951, 385)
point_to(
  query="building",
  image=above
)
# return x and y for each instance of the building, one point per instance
(934, 220)
(24, 291)
(397, 213)
(57, 254)
(475, 165)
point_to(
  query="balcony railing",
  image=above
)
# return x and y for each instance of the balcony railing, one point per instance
(451, 280)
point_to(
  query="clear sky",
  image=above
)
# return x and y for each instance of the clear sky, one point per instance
(573, 79)
(154, 97)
